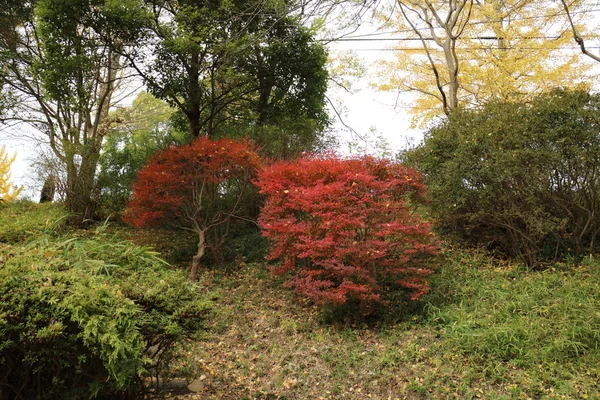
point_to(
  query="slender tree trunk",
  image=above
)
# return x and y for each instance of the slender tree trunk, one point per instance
(197, 259)
(193, 112)
(452, 67)
(265, 87)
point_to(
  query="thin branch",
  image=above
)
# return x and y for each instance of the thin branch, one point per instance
(576, 35)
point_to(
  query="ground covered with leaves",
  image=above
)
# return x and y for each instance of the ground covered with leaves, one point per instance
(490, 329)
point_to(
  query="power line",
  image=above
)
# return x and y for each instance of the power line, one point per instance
(471, 38)
(409, 30)
(417, 49)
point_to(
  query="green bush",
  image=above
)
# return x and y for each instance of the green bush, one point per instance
(519, 178)
(82, 317)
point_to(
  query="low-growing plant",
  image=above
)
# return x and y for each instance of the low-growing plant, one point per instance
(346, 229)
(495, 312)
(81, 317)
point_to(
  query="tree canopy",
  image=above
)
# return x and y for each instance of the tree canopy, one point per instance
(57, 64)
(242, 63)
(469, 53)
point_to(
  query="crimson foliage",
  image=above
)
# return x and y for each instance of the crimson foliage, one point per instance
(196, 187)
(346, 228)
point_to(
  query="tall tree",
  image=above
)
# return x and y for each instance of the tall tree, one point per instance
(55, 59)
(285, 110)
(443, 23)
(507, 50)
(230, 63)
(145, 128)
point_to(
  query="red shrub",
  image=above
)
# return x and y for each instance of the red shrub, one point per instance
(346, 228)
(196, 187)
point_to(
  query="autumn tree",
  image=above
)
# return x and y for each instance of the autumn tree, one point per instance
(56, 62)
(197, 187)
(345, 229)
(8, 191)
(443, 23)
(506, 50)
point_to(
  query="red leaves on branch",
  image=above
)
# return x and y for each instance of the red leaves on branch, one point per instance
(183, 185)
(346, 229)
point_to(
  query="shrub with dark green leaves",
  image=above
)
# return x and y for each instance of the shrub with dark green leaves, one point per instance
(82, 317)
(520, 178)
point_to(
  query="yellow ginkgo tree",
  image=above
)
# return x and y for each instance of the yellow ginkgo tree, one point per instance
(465, 53)
(8, 191)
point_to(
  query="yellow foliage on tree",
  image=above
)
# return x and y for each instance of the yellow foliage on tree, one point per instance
(8, 192)
(466, 53)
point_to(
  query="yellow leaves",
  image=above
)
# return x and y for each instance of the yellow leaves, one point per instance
(509, 51)
(8, 192)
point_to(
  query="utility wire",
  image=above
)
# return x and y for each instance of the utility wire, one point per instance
(416, 49)
(409, 30)
(471, 38)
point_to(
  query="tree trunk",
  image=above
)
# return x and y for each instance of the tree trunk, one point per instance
(449, 47)
(193, 111)
(48, 190)
(197, 259)
(80, 187)
(194, 121)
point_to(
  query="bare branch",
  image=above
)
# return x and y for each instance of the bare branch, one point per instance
(576, 35)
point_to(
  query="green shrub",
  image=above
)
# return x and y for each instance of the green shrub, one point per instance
(519, 178)
(81, 318)
(146, 128)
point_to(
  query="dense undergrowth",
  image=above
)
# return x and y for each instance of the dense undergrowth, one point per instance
(489, 329)
(84, 313)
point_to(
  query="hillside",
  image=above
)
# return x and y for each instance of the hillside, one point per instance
(490, 329)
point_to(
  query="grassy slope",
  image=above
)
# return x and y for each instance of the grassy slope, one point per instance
(489, 330)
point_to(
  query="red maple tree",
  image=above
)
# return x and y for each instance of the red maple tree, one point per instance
(197, 187)
(346, 228)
